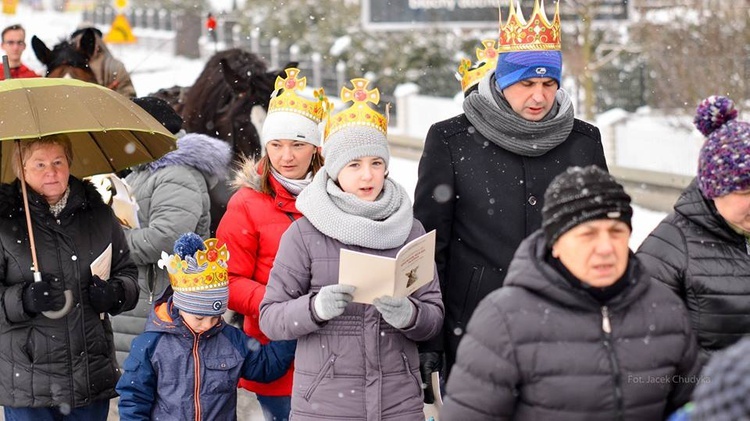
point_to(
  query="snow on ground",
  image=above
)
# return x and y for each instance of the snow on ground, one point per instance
(153, 67)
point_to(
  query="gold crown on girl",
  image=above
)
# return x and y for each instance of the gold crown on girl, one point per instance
(538, 34)
(207, 269)
(486, 60)
(288, 100)
(360, 113)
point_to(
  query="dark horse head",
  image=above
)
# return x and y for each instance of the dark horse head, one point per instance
(220, 101)
(65, 60)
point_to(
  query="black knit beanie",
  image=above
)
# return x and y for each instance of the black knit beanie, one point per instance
(579, 195)
(161, 111)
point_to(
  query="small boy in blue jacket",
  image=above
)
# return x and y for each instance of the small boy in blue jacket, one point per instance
(187, 363)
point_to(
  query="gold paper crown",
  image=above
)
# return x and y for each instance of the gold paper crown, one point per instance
(211, 271)
(359, 113)
(486, 60)
(289, 101)
(536, 35)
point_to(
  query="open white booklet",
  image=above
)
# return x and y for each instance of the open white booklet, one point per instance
(375, 276)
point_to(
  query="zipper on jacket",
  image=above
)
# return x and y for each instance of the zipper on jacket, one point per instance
(407, 367)
(607, 329)
(196, 374)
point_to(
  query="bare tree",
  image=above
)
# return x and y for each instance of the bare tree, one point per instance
(694, 48)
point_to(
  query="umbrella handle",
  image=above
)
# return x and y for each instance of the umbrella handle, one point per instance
(57, 314)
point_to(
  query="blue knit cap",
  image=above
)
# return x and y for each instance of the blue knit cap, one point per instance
(520, 65)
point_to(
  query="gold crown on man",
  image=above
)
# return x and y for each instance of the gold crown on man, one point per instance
(288, 100)
(360, 113)
(536, 34)
(206, 270)
(486, 61)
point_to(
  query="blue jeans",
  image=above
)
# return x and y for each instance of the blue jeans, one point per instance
(96, 411)
(275, 408)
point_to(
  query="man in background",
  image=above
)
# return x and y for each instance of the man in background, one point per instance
(14, 44)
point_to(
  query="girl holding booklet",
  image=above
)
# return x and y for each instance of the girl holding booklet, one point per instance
(353, 361)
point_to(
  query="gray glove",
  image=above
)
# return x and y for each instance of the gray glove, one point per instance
(332, 300)
(397, 312)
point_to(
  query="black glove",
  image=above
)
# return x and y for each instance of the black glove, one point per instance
(106, 297)
(429, 362)
(40, 296)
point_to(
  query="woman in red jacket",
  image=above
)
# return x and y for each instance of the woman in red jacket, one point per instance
(263, 208)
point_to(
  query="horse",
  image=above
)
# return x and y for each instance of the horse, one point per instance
(233, 85)
(223, 98)
(65, 60)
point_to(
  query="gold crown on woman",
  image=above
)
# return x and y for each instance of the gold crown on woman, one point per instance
(285, 97)
(536, 34)
(206, 269)
(486, 61)
(360, 113)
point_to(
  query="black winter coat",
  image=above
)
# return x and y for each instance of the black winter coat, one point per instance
(540, 349)
(484, 200)
(695, 253)
(71, 360)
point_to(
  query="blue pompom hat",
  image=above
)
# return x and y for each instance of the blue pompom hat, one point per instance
(521, 65)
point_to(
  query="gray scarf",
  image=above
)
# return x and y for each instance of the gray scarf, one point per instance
(293, 186)
(494, 118)
(382, 224)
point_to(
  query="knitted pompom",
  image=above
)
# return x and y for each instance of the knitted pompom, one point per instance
(713, 112)
(188, 244)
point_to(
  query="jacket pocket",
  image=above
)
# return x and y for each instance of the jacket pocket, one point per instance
(220, 375)
(328, 366)
(417, 382)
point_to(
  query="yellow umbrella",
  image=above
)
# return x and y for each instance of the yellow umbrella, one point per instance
(108, 132)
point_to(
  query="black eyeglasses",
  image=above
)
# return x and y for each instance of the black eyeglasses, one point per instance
(12, 43)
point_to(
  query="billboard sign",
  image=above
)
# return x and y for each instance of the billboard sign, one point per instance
(410, 14)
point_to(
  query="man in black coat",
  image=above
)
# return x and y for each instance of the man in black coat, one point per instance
(483, 174)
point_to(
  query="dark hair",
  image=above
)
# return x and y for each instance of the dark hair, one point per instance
(265, 172)
(14, 27)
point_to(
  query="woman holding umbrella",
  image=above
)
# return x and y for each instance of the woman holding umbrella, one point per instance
(61, 364)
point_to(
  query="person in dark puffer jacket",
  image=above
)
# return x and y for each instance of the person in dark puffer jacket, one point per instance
(578, 331)
(701, 250)
(62, 368)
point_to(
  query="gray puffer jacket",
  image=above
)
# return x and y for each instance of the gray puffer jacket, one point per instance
(707, 264)
(172, 195)
(540, 349)
(355, 366)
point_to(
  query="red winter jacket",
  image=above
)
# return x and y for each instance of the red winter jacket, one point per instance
(20, 72)
(252, 228)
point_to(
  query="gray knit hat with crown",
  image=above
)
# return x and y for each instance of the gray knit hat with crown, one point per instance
(353, 142)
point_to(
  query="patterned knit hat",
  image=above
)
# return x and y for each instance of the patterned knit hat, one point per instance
(198, 274)
(722, 394)
(724, 161)
(579, 195)
(355, 132)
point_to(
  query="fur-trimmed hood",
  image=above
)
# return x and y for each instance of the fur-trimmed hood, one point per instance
(247, 175)
(11, 200)
(208, 155)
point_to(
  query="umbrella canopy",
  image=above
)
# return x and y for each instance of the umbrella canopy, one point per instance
(108, 132)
